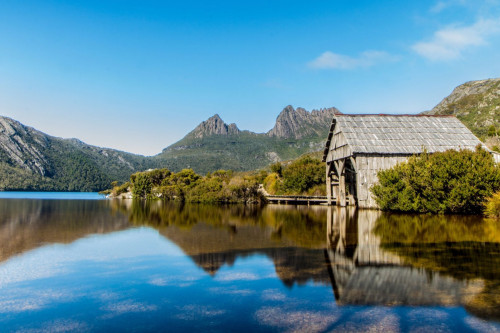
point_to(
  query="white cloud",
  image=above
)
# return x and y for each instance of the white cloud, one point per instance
(449, 43)
(330, 60)
(484, 6)
(442, 5)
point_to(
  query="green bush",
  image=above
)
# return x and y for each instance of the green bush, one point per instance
(493, 206)
(272, 183)
(303, 174)
(447, 182)
(277, 168)
(492, 131)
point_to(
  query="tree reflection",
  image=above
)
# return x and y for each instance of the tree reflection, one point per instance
(299, 225)
(463, 247)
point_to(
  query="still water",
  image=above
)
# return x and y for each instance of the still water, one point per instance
(106, 265)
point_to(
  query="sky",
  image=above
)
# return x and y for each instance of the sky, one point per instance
(139, 75)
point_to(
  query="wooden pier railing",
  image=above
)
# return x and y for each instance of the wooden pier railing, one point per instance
(297, 199)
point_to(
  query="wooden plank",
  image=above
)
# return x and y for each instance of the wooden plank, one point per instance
(329, 183)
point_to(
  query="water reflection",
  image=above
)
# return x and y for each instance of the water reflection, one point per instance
(26, 224)
(367, 258)
(466, 249)
(388, 259)
(292, 237)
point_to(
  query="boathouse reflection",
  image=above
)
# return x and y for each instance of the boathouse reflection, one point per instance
(369, 265)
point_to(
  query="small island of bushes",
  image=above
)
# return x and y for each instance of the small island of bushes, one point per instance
(303, 176)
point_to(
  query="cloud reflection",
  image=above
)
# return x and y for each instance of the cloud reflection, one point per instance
(231, 291)
(273, 295)
(126, 306)
(233, 276)
(60, 325)
(295, 321)
(194, 312)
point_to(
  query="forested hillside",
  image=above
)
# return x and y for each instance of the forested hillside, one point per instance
(32, 160)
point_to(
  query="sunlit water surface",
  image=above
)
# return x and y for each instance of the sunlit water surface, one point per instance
(103, 265)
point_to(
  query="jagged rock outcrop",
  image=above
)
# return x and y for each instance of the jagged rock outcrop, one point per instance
(214, 126)
(300, 123)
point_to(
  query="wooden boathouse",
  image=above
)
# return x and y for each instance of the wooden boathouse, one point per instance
(358, 146)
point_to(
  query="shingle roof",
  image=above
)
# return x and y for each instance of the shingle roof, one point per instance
(403, 134)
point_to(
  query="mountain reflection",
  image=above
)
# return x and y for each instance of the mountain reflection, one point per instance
(213, 236)
(26, 224)
(368, 257)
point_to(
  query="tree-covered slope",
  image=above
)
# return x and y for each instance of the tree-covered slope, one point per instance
(32, 160)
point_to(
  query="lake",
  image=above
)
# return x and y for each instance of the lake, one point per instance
(74, 263)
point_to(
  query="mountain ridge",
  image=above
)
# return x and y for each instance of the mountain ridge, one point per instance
(290, 123)
(214, 145)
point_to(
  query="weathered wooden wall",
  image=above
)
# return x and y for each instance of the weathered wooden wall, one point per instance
(367, 167)
(339, 148)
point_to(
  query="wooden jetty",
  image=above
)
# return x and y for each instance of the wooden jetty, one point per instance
(297, 199)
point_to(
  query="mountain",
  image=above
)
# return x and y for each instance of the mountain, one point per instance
(214, 145)
(214, 126)
(477, 105)
(300, 123)
(32, 160)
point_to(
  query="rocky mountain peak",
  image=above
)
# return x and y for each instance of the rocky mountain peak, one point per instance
(214, 126)
(299, 123)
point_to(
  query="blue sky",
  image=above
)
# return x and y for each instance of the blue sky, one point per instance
(138, 75)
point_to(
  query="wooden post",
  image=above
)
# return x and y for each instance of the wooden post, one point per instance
(341, 191)
(352, 182)
(329, 183)
(337, 191)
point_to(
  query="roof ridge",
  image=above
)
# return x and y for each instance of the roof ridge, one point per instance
(394, 115)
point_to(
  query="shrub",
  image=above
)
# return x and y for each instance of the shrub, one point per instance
(447, 182)
(493, 206)
(271, 183)
(119, 189)
(277, 168)
(303, 174)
